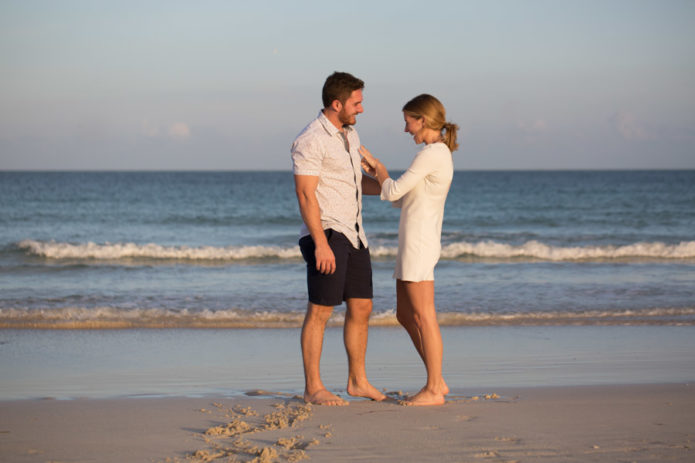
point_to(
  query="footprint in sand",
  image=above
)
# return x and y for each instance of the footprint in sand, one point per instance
(512, 440)
(286, 415)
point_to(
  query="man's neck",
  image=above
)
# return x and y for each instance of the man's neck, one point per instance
(332, 116)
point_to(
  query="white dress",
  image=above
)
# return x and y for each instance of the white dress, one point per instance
(420, 193)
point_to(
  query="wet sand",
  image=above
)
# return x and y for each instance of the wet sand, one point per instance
(102, 364)
(641, 423)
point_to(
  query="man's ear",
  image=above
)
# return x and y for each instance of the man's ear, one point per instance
(336, 106)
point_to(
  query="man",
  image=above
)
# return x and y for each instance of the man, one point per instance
(329, 186)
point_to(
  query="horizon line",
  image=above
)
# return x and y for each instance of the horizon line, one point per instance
(164, 170)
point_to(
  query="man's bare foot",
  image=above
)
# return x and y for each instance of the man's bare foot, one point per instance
(324, 397)
(425, 397)
(365, 390)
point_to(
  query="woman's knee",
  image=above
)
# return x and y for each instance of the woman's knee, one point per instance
(404, 318)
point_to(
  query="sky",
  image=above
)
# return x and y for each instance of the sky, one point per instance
(227, 85)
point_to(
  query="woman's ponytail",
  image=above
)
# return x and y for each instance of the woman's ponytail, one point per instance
(449, 135)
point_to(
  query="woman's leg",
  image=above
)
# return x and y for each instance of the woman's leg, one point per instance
(406, 317)
(426, 336)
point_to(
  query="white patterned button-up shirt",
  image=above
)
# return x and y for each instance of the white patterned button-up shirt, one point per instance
(321, 150)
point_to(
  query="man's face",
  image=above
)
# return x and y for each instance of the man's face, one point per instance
(351, 108)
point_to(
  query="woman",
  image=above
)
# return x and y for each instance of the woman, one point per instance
(420, 193)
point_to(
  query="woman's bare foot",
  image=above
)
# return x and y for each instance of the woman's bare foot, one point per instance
(425, 397)
(324, 397)
(445, 388)
(365, 390)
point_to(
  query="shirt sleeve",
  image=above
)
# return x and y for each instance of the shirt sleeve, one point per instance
(307, 157)
(394, 190)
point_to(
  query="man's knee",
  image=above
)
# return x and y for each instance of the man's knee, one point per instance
(318, 313)
(359, 308)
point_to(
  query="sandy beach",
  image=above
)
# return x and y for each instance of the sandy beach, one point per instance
(640, 423)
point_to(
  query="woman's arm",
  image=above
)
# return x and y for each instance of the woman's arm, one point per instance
(373, 166)
(394, 190)
(370, 186)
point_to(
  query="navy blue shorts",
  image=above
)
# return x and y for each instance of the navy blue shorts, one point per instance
(353, 271)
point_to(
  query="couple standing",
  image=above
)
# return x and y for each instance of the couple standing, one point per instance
(327, 163)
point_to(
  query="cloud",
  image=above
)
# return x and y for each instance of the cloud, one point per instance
(532, 129)
(176, 131)
(534, 126)
(629, 127)
(179, 131)
(148, 129)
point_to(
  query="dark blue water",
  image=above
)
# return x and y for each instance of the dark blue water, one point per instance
(182, 249)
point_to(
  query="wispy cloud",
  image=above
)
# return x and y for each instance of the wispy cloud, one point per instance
(175, 131)
(531, 129)
(179, 131)
(534, 126)
(149, 129)
(629, 127)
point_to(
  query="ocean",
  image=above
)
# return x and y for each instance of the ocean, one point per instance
(199, 249)
(177, 251)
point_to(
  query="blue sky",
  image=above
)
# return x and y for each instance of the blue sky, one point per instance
(227, 85)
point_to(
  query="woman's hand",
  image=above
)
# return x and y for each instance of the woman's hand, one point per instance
(372, 166)
(367, 156)
(368, 169)
(368, 162)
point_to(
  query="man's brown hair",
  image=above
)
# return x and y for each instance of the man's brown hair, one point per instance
(339, 86)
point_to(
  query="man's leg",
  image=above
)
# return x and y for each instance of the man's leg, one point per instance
(355, 334)
(312, 344)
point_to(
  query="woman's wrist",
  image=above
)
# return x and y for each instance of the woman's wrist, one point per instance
(381, 172)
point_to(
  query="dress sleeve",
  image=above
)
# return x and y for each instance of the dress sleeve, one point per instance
(393, 190)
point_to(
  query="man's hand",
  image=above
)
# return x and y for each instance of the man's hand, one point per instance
(325, 259)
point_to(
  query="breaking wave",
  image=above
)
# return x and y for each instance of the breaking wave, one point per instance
(541, 251)
(118, 251)
(531, 250)
(118, 318)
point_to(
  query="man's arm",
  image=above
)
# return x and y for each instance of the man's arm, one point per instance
(305, 187)
(370, 186)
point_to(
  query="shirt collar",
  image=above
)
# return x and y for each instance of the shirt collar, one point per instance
(329, 127)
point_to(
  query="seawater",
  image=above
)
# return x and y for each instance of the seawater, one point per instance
(219, 250)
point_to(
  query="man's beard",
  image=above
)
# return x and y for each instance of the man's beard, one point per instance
(345, 119)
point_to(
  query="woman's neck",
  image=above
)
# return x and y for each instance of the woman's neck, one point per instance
(430, 136)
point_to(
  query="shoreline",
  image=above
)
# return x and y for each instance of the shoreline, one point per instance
(193, 363)
(606, 423)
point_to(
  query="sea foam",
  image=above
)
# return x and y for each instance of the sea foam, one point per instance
(116, 251)
(531, 250)
(541, 251)
(132, 318)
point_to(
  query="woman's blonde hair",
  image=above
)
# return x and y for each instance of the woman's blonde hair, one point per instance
(432, 110)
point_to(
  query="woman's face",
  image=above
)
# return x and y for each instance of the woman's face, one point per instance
(414, 127)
